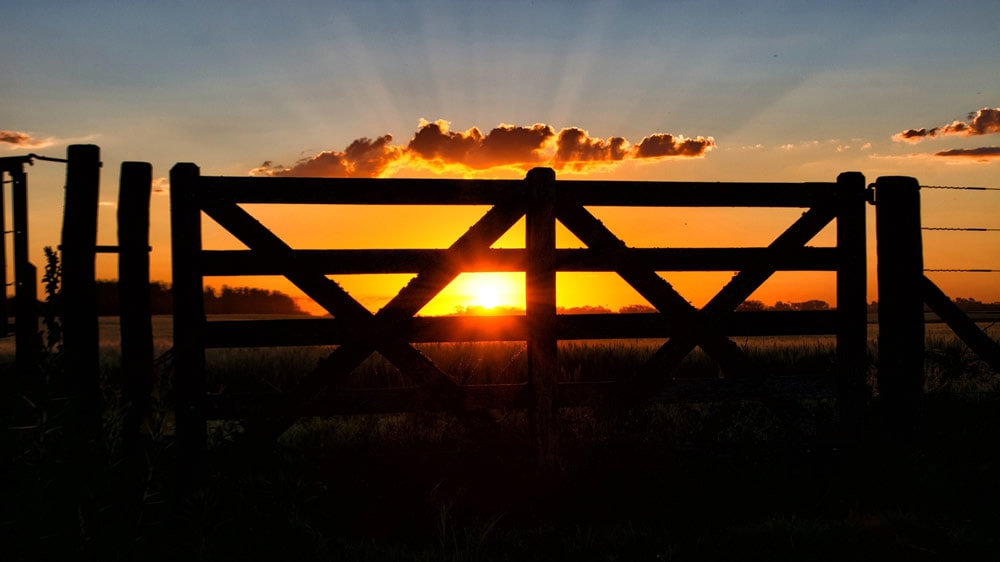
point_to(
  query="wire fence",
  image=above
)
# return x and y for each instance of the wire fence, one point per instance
(960, 229)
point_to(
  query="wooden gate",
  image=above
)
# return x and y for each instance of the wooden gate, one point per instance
(542, 200)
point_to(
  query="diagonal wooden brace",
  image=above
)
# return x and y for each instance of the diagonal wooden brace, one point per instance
(655, 289)
(379, 330)
(735, 292)
(324, 291)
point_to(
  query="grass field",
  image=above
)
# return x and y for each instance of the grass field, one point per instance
(662, 481)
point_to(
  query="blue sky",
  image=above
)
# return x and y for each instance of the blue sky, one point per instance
(786, 91)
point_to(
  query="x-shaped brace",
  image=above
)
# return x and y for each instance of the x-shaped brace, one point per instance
(705, 323)
(375, 332)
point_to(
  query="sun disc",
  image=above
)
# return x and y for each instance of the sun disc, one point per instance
(492, 290)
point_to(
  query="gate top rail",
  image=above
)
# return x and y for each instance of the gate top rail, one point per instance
(606, 193)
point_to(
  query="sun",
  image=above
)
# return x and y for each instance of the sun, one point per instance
(492, 290)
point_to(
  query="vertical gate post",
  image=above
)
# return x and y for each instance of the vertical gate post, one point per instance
(852, 303)
(540, 301)
(81, 338)
(901, 304)
(135, 186)
(189, 320)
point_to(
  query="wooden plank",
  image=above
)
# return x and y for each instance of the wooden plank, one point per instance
(899, 248)
(334, 262)
(657, 325)
(427, 329)
(135, 187)
(188, 320)
(694, 194)
(540, 298)
(5, 324)
(696, 259)
(81, 339)
(964, 327)
(26, 338)
(384, 261)
(393, 191)
(852, 304)
(358, 191)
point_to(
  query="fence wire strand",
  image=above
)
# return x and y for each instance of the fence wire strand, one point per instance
(952, 228)
(960, 187)
(964, 270)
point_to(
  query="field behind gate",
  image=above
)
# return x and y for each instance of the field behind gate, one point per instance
(666, 481)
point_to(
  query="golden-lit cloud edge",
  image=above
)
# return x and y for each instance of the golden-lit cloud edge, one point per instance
(15, 140)
(435, 147)
(981, 154)
(986, 121)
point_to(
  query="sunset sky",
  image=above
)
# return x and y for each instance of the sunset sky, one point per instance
(703, 91)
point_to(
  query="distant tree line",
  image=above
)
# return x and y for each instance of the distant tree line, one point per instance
(814, 304)
(966, 304)
(227, 300)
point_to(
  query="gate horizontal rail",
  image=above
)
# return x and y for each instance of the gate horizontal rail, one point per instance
(329, 262)
(428, 329)
(391, 191)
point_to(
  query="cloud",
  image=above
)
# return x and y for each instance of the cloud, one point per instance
(17, 139)
(161, 185)
(504, 145)
(363, 158)
(664, 145)
(982, 154)
(434, 145)
(986, 121)
(576, 149)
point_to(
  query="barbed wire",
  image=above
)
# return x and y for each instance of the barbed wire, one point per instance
(964, 270)
(47, 158)
(969, 229)
(959, 187)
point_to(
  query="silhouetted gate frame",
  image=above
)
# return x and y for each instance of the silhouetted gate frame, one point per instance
(542, 200)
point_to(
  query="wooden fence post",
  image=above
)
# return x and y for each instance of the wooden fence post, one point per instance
(852, 303)
(81, 339)
(900, 303)
(189, 321)
(27, 343)
(135, 185)
(4, 309)
(540, 297)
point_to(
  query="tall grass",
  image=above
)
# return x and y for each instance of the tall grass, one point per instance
(664, 481)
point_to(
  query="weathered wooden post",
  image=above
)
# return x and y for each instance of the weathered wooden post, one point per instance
(899, 247)
(26, 337)
(540, 297)
(135, 186)
(81, 339)
(852, 303)
(189, 320)
(4, 312)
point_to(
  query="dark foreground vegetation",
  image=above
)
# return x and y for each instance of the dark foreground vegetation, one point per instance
(661, 481)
